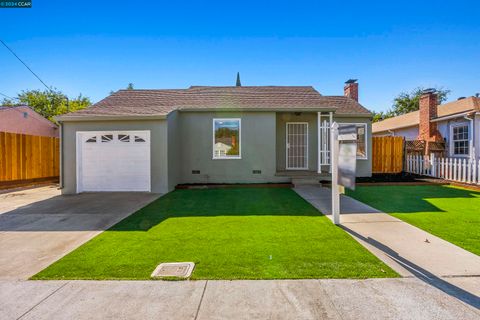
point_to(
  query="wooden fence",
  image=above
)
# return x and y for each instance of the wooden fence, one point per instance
(455, 169)
(387, 154)
(26, 157)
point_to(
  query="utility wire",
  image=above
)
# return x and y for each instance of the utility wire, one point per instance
(24, 64)
(1, 94)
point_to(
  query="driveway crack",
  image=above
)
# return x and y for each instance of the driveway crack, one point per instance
(51, 294)
(201, 300)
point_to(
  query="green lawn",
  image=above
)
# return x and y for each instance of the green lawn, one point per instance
(236, 233)
(450, 213)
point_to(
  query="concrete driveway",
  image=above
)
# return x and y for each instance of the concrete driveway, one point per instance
(39, 226)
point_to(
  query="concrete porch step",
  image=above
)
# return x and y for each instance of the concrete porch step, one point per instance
(302, 181)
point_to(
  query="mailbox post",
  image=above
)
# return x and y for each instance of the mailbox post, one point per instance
(344, 149)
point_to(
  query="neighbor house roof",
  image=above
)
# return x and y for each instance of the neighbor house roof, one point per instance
(203, 98)
(24, 120)
(413, 118)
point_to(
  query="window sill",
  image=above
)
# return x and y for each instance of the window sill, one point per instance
(226, 158)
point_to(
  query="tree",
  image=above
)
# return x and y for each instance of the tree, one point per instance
(49, 103)
(407, 102)
(378, 116)
(130, 86)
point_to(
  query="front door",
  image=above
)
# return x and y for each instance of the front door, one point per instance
(297, 145)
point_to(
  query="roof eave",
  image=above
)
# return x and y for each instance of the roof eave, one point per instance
(72, 118)
(276, 109)
(455, 115)
(394, 128)
(352, 115)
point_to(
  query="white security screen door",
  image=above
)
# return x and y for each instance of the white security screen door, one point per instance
(113, 161)
(297, 145)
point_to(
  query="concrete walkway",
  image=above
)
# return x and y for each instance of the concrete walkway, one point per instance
(39, 226)
(276, 299)
(405, 248)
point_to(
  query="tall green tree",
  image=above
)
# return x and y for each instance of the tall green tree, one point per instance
(49, 103)
(406, 102)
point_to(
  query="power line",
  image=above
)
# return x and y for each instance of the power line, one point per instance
(24, 64)
(1, 94)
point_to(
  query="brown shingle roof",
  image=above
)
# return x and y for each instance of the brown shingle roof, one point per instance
(162, 102)
(413, 118)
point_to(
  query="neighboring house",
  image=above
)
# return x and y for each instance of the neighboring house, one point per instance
(22, 119)
(456, 123)
(153, 140)
(221, 149)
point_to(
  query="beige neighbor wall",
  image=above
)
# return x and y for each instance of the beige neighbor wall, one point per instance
(158, 143)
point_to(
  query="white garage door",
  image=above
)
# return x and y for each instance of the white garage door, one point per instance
(113, 161)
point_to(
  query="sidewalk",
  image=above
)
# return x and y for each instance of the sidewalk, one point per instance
(262, 299)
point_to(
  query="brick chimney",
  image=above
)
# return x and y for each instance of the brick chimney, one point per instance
(427, 129)
(351, 89)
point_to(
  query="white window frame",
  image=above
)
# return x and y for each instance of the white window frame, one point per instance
(214, 157)
(452, 141)
(366, 136)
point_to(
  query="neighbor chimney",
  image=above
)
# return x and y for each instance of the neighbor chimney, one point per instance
(427, 129)
(351, 89)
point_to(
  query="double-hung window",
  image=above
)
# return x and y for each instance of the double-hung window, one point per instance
(361, 139)
(227, 138)
(460, 142)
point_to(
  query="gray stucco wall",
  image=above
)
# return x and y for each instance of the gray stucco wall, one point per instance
(159, 151)
(174, 142)
(282, 119)
(364, 166)
(184, 142)
(257, 143)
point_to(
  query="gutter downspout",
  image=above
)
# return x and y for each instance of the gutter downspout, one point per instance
(330, 119)
(61, 156)
(472, 141)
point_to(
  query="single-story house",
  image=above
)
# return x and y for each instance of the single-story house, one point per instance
(24, 120)
(456, 123)
(153, 140)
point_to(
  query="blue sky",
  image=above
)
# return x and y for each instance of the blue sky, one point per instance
(93, 47)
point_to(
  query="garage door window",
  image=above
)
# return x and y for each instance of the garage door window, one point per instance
(124, 137)
(138, 139)
(107, 138)
(92, 139)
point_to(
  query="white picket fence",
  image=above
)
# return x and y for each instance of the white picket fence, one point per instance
(462, 170)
